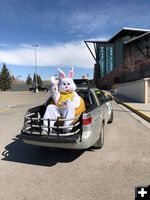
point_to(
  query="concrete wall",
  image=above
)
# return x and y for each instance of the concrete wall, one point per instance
(148, 91)
(138, 90)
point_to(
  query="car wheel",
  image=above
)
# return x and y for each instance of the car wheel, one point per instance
(100, 142)
(111, 117)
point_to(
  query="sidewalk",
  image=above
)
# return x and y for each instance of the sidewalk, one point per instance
(141, 109)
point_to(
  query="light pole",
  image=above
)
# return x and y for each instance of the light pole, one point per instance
(17, 79)
(36, 88)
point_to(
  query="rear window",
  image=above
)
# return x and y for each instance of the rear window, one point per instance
(84, 95)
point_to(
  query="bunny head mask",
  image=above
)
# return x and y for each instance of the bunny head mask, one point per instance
(66, 84)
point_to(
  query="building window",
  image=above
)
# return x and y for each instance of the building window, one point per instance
(102, 61)
(106, 59)
(109, 59)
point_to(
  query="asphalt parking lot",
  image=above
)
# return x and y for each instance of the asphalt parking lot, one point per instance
(35, 173)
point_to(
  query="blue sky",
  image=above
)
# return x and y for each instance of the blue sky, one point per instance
(59, 27)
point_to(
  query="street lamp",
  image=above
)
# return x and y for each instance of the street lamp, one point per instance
(36, 88)
(17, 79)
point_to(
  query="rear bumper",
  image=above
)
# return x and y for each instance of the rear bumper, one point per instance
(72, 142)
(51, 139)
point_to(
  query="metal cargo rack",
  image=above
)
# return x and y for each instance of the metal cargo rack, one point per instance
(34, 126)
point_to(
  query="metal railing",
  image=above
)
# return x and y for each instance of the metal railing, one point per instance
(34, 125)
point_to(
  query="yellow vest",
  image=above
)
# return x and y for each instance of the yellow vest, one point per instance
(63, 98)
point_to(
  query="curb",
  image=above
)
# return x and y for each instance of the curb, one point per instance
(141, 114)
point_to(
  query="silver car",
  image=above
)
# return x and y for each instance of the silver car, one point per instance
(87, 130)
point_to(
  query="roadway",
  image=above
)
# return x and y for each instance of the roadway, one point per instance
(35, 173)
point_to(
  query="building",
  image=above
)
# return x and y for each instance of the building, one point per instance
(128, 47)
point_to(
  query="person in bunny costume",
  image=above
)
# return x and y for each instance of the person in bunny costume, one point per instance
(67, 103)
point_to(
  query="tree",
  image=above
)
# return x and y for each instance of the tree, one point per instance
(29, 80)
(39, 80)
(5, 79)
(33, 82)
(130, 60)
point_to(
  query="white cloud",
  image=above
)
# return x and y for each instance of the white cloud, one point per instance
(74, 54)
(102, 18)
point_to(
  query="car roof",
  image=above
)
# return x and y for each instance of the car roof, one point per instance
(86, 88)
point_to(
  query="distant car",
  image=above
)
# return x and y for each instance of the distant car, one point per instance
(40, 88)
(87, 129)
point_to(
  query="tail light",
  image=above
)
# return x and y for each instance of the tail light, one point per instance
(87, 119)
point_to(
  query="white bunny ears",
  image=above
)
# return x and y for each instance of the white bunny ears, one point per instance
(62, 74)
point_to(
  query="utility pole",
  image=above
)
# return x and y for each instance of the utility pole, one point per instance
(36, 88)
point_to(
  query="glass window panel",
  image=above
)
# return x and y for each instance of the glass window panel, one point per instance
(102, 61)
(109, 59)
(106, 59)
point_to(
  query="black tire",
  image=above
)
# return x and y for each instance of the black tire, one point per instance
(111, 117)
(100, 142)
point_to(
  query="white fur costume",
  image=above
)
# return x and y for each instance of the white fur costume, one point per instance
(65, 98)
